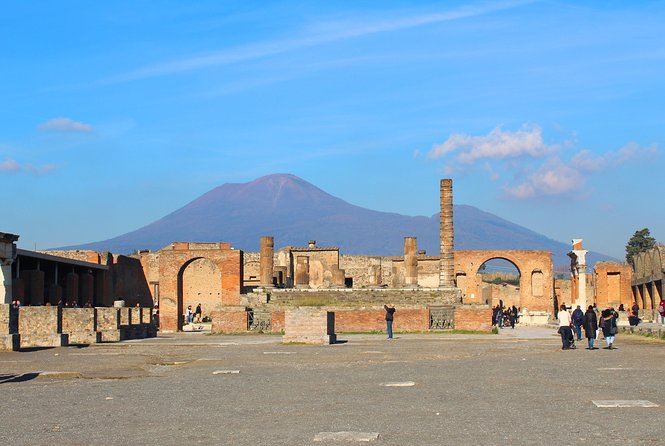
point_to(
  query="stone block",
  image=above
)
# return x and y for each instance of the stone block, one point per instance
(309, 326)
(84, 337)
(8, 319)
(9, 342)
(110, 335)
(33, 340)
(38, 321)
(125, 316)
(78, 319)
(108, 318)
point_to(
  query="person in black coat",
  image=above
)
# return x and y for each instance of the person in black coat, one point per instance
(590, 327)
(390, 311)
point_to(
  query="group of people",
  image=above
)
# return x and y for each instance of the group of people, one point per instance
(508, 316)
(590, 322)
(193, 316)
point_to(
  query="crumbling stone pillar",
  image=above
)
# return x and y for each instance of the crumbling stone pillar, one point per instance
(7, 257)
(302, 272)
(410, 262)
(266, 261)
(447, 246)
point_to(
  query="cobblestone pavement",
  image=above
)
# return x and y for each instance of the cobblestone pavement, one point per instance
(517, 387)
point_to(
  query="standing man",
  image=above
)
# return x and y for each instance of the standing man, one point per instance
(390, 311)
(564, 327)
(578, 321)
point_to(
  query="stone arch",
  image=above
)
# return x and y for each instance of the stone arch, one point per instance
(531, 265)
(173, 261)
(203, 285)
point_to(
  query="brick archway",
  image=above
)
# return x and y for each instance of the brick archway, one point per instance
(536, 276)
(174, 259)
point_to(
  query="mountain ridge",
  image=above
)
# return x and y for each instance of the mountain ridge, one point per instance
(294, 211)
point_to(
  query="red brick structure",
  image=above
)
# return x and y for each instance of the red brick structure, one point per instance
(613, 284)
(473, 317)
(173, 263)
(535, 269)
(230, 320)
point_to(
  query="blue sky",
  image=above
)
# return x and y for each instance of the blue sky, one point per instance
(550, 114)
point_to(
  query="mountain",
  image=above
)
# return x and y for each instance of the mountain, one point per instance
(294, 211)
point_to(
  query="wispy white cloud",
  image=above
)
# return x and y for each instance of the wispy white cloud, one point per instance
(551, 179)
(10, 165)
(497, 144)
(534, 168)
(65, 125)
(318, 34)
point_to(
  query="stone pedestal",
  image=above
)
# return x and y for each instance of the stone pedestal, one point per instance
(309, 326)
(79, 324)
(108, 324)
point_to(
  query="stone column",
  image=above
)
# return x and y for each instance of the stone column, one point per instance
(410, 262)
(302, 272)
(266, 261)
(447, 247)
(578, 273)
(7, 257)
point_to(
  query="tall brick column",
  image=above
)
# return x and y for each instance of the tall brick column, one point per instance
(410, 262)
(266, 261)
(447, 247)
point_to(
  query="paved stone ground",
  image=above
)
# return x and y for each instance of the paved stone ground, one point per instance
(518, 387)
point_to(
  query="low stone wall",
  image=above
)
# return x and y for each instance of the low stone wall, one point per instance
(231, 320)
(309, 326)
(473, 317)
(51, 326)
(277, 321)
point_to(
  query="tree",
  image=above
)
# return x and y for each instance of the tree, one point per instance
(641, 241)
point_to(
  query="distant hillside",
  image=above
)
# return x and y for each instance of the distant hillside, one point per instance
(295, 211)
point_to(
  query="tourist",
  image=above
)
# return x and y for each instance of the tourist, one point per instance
(590, 327)
(578, 321)
(188, 314)
(609, 327)
(390, 311)
(661, 311)
(564, 328)
(198, 313)
(516, 313)
(511, 317)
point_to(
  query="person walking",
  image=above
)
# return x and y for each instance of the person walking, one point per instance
(390, 314)
(578, 321)
(609, 327)
(590, 327)
(564, 327)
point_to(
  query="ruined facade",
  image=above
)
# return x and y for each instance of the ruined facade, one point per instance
(647, 280)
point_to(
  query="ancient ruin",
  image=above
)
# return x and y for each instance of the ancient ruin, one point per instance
(246, 291)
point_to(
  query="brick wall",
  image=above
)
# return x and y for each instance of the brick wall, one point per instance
(473, 317)
(230, 321)
(277, 321)
(363, 320)
(309, 325)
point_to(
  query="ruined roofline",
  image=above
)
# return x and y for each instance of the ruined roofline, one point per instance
(41, 256)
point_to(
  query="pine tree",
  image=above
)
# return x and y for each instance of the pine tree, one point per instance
(641, 241)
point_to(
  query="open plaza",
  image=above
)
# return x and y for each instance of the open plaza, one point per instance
(517, 387)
